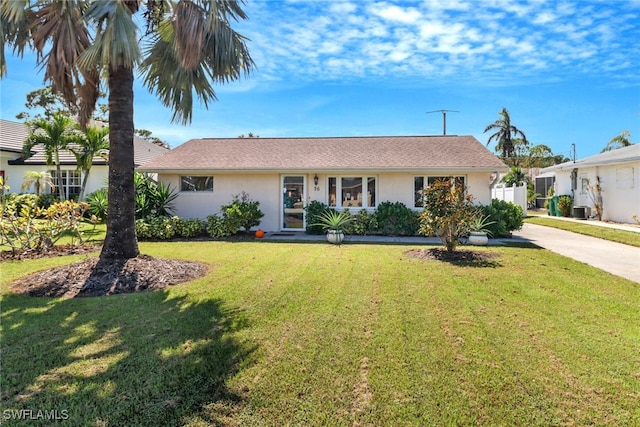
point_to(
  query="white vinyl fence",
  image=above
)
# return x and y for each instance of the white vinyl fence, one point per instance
(515, 195)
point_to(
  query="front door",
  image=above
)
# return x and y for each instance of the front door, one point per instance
(293, 197)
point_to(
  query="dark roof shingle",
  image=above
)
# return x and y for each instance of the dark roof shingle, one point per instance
(329, 153)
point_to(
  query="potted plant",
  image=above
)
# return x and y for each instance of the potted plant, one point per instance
(334, 223)
(479, 233)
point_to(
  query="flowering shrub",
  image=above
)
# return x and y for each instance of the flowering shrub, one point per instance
(32, 228)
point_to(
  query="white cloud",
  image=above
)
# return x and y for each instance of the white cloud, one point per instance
(462, 39)
(398, 14)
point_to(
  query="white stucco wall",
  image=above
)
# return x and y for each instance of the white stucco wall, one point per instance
(620, 189)
(15, 175)
(267, 189)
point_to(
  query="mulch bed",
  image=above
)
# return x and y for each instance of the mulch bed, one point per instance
(462, 256)
(90, 278)
(56, 250)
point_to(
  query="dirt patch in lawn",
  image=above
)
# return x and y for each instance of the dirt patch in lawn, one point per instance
(89, 277)
(457, 256)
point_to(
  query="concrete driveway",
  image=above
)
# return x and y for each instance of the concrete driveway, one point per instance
(615, 258)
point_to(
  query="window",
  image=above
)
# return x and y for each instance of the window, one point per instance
(352, 191)
(418, 185)
(69, 181)
(196, 183)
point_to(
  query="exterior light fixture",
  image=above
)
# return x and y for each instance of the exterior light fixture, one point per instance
(315, 180)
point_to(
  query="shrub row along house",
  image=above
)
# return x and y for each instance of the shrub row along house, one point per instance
(13, 165)
(286, 174)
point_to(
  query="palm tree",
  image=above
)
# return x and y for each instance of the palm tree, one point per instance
(40, 180)
(622, 140)
(187, 46)
(54, 136)
(94, 143)
(505, 133)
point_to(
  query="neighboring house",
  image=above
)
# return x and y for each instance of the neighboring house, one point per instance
(13, 166)
(285, 174)
(619, 173)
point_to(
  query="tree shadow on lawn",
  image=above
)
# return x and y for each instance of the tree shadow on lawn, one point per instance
(135, 359)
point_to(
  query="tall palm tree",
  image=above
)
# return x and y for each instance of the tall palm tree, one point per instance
(54, 136)
(187, 46)
(505, 134)
(622, 140)
(94, 143)
(39, 180)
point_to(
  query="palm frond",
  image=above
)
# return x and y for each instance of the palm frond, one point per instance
(116, 41)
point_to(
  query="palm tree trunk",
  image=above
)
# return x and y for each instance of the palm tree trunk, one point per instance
(84, 185)
(120, 242)
(61, 191)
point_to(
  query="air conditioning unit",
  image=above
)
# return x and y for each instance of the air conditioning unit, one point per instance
(581, 212)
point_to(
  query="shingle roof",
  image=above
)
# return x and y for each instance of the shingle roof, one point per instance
(620, 155)
(12, 136)
(329, 153)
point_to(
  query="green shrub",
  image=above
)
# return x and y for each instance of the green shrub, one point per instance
(35, 229)
(396, 219)
(160, 228)
(190, 227)
(218, 227)
(153, 198)
(18, 201)
(313, 211)
(506, 216)
(363, 223)
(47, 199)
(242, 211)
(564, 205)
(98, 203)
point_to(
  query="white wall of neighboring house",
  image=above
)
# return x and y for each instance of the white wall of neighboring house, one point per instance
(266, 188)
(620, 185)
(15, 176)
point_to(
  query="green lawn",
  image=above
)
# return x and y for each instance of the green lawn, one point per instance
(314, 334)
(620, 236)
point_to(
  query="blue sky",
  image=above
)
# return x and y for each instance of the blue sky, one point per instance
(568, 72)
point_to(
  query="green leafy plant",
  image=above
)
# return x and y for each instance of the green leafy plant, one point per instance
(332, 220)
(243, 211)
(98, 203)
(190, 227)
(396, 219)
(35, 229)
(447, 212)
(219, 227)
(363, 223)
(564, 205)
(153, 198)
(160, 228)
(480, 223)
(313, 211)
(506, 217)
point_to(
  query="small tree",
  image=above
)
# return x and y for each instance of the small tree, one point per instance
(40, 180)
(595, 194)
(448, 212)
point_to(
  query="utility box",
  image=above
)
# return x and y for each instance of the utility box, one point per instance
(581, 212)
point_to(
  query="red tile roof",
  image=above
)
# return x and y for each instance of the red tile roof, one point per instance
(449, 152)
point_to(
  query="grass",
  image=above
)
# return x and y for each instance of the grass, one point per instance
(621, 236)
(314, 334)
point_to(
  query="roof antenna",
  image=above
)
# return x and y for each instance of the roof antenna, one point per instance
(444, 118)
